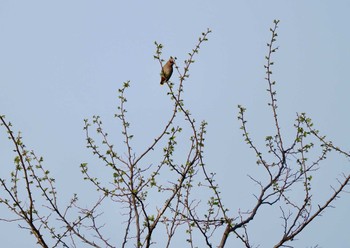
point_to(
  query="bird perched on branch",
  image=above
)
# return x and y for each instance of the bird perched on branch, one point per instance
(167, 70)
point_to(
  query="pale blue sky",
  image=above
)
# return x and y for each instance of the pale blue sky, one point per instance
(63, 61)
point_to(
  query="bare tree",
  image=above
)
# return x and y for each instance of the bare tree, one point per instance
(179, 213)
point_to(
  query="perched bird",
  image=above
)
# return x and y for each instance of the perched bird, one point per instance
(167, 70)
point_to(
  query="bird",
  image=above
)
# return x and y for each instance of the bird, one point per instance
(167, 70)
